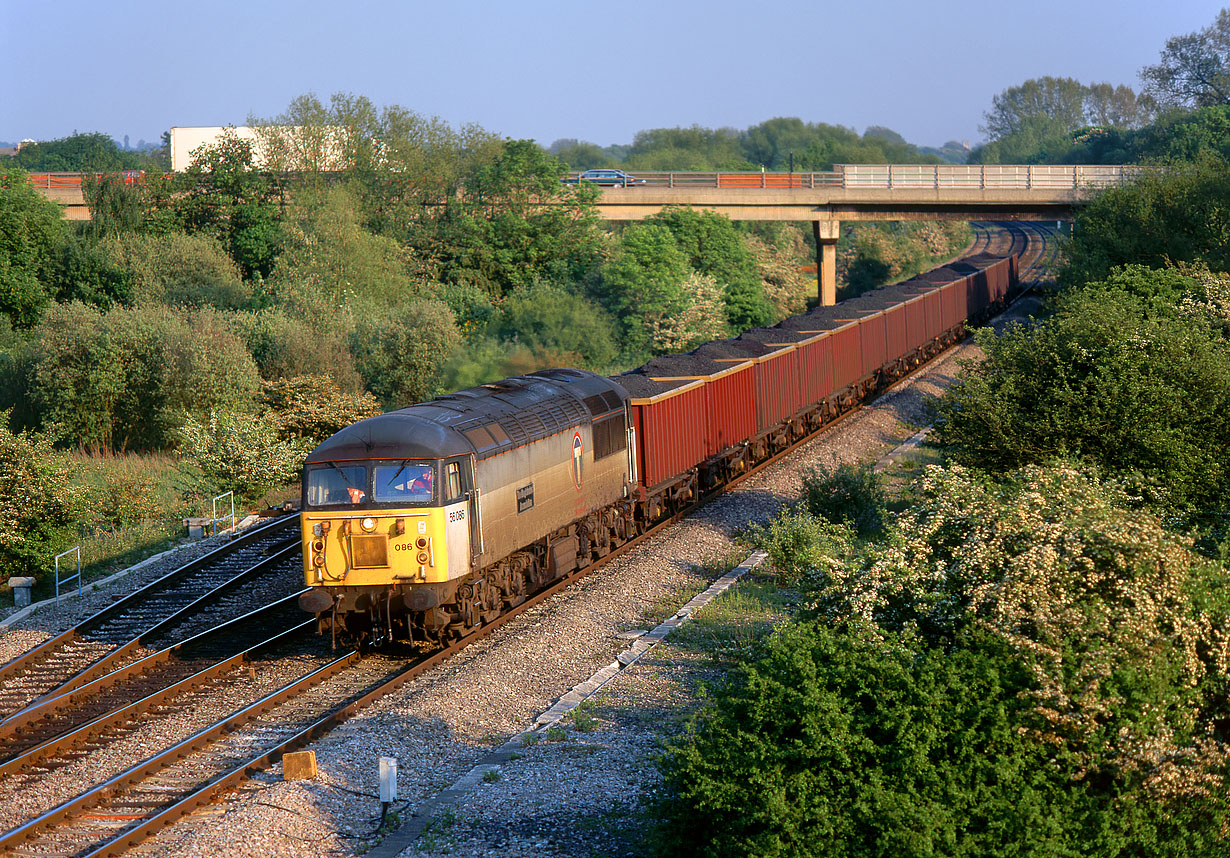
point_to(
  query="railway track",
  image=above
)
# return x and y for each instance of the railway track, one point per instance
(130, 805)
(123, 632)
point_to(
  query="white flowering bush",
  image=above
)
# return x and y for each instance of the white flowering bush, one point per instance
(1122, 626)
(240, 453)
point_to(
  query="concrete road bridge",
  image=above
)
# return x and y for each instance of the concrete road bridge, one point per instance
(860, 192)
(850, 192)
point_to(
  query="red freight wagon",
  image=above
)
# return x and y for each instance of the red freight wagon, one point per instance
(873, 343)
(815, 360)
(896, 341)
(954, 303)
(730, 396)
(670, 426)
(776, 373)
(915, 323)
(847, 356)
(846, 349)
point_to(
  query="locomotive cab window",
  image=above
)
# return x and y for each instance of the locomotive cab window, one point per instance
(337, 485)
(405, 483)
(453, 487)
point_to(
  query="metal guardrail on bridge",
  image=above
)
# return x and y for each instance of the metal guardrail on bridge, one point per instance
(903, 176)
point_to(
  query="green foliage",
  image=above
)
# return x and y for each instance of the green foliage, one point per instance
(847, 494)
(80, 153)
(1111, 378)
(1028, 667)
(30, 232)
(714, 248)
(178, 270)
(121, 380)
(224, 196)
(803, 548)
(313, 407)
(849, 745)
(1194, 69)
(240, 453)
(38, 503)
(285, 345)
(643, 284)
(694, 148)
(871, 255)
(399, 351)
(517, 223)
(329, 254)
(79, 270)
(1182, 215)
(548, 318)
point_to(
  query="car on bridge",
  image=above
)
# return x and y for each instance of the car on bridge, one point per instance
(606, 178)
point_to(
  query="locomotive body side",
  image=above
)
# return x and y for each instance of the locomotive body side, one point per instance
(422, 523)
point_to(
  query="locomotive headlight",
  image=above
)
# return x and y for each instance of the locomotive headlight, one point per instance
(318, 560)
(423, 557)
(368, 524)
(318, 546)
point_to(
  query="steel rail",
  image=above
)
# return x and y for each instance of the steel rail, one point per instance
(161, 698)
(47, 650)
(78, 697)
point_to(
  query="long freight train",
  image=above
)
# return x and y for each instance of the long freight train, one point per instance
(423, 523)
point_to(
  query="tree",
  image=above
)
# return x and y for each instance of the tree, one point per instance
(1115, 106)
(550, 320)
(80, 153)
(1181, 215)
(1061, 100)
(31, 228)
(399, 350)
(1194, 70)
(643, 284)
(222, 194)
(713, 247)
(1110, 379)
(516, 222)
(177, 269)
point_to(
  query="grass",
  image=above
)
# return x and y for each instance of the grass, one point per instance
(732, 627)
(438, 835)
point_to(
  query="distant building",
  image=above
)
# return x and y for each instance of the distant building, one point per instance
(184, 141)
(8, 151)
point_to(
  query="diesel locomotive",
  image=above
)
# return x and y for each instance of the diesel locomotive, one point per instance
(422, 523)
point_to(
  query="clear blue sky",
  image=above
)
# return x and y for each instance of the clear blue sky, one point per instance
(546, 69)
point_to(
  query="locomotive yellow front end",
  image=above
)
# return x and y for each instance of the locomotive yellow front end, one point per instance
(372, 524)
(386, 529)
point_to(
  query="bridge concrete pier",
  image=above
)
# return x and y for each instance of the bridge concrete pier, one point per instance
(826, 233)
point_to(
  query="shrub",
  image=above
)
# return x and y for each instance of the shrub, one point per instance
(39, 503)
(803, 548)
(840, 744)
(545, 317)
(313, 407)
(847, 494)
(239, 453)
(1122, 626)
(1125, 382)
(399, 351)
(285, 345)
(121, 380)
(178, 269)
